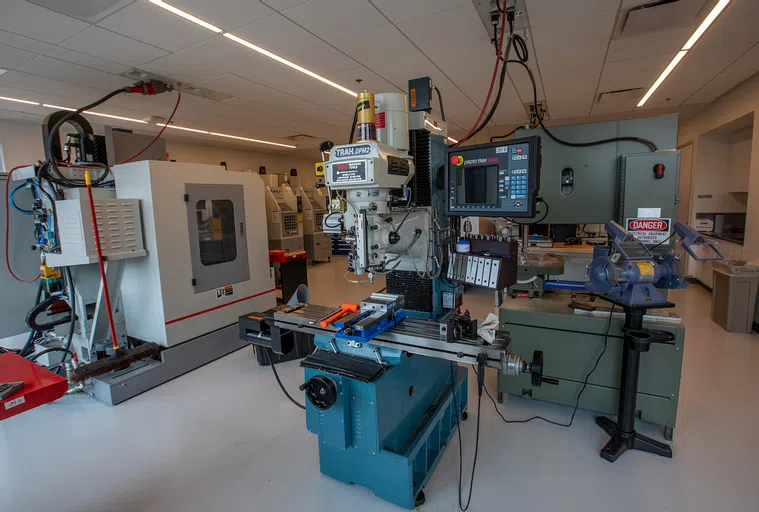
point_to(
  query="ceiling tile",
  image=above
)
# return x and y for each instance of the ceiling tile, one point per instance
(11, 58)
(574, 33)
(286, 39)
(111, 46)
(403, 10)
(570, 78)
(742, 69)
(665, 41)
(21, 17)
(333, 20)
(57, 52)
(157, 27)
(200, 62)
(543, 12)
(631, 73)
(233, 13)
(67, 72)
(38, 84)
(282, 5)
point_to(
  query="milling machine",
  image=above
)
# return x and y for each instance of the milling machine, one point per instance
(384, 391)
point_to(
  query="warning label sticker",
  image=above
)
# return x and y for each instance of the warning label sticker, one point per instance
(224, 291)
(649, 231)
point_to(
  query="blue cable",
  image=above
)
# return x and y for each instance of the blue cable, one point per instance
(13, 200)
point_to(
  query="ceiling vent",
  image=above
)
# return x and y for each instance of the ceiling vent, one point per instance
(661, 15)
(183, 87)
(91, 11)
(625, 95)
(301, 137)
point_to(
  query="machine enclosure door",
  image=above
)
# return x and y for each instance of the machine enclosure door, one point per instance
(218, 248)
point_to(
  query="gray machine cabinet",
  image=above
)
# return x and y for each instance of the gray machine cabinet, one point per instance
(639, 188)
(592, 196)
(218, 245)
(571, 343)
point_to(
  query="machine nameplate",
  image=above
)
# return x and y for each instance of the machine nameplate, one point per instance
(348, 151)
(349, 172)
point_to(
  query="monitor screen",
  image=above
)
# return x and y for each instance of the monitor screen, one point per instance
(477, 185)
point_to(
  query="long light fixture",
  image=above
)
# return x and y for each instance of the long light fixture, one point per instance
(16, 100)
(248, 44)
(186, 15)
(286, 62)
(175, 127)
(206, 132)
(453, 140)
(253, 140)
(715, 12)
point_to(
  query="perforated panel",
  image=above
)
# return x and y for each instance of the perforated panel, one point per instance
(290, 223)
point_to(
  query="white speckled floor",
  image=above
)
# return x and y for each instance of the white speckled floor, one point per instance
(224, 438)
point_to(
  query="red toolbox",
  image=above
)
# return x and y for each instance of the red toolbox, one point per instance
(40, 385)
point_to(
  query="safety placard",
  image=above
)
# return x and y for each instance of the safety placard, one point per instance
(650, 231)
(349, 172)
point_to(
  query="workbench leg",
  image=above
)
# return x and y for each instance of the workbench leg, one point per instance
(668, 432)
(500, 397)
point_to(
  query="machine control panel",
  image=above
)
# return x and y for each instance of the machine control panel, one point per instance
(494, 180)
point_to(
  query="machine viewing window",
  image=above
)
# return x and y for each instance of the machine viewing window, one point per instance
(477, 185)
(216, 231)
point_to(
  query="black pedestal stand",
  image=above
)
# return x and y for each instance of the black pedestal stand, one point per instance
(636, 340)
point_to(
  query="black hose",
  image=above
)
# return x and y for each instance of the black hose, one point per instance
(267, 351)
(440, 99)
(353, 125)
(48, 350)
(72, 304)
(31, 317)
(27, 348)
(545, 214)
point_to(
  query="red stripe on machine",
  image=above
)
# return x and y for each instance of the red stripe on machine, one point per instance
(219, 307)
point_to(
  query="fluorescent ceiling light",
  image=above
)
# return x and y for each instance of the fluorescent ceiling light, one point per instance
(115, 117)
(3, 71)
(433, 126)
(254, 140)
(663, 76)
(186, 15)
(705, 24)
(715, 12)
(16, 100)
(453, 140)
(286, 62)
(183, 128)
(58, 107)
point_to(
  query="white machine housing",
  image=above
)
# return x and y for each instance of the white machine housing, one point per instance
(205, 263)
(282, 218)
(317, 244)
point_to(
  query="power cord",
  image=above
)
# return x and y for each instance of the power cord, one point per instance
(579, 395)
(481, 358)
(267, 351)
(545, 214)
(440, 99)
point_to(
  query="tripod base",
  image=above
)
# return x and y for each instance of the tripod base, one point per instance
(620, 442)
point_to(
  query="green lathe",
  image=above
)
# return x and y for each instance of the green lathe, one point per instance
(575, 339)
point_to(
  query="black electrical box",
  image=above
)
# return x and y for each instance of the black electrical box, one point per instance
(420, 94)
(500, 179)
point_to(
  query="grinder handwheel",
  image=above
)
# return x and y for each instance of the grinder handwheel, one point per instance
(321, 391)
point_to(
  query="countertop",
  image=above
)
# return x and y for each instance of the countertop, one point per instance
(560, 248)
(725, 238)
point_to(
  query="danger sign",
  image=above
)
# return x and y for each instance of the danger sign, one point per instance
(650, 231)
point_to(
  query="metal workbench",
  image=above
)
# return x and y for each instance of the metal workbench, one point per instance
(572, 341)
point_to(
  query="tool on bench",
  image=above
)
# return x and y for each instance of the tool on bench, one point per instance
(339, 313)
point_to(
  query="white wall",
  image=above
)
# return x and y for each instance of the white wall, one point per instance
(22, 145)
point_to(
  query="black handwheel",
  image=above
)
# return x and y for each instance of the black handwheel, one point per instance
(536, 368)
(321, 391)
(464, 416)
(420, 499)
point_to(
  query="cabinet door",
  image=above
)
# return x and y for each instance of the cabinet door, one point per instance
(218, 243)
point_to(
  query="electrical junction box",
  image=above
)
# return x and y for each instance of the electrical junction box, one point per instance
(420, 94)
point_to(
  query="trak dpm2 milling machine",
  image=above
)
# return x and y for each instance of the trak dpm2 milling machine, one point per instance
(384, 393)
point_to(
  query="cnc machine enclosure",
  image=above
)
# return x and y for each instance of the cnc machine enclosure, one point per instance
(202, 270)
